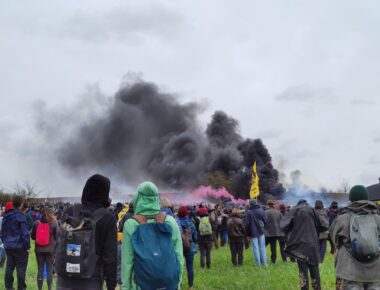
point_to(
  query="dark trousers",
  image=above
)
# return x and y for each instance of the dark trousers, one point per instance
(205, 250)
(272, 242)
(17, 258)
(304, 268)
(189, 258)
(215, 239)
(332, 248)
(236, 247)
(322, 250)
(42, 259)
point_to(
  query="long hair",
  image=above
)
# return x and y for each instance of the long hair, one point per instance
(49, 215)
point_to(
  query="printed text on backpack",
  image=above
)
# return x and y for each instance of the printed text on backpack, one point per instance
(76, 248)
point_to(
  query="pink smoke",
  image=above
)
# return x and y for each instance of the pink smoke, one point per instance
(207, 193)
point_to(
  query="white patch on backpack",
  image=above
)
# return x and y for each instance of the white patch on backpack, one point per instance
(72, 268)
(73, 250)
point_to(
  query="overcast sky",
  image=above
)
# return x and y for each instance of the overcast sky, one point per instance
(301, 75)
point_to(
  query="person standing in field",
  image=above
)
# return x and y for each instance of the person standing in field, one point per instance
(302, 226)
(86, 252)
(205, 237)
(236, 237)
(189, 240)
(45, 234)
(273, 232)
(152, 253)
(254, 227)
(16, 238)
(323, 236)
(332, 213)
(356, 236)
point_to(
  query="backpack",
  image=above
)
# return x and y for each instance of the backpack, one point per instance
(364, 238)
(76, 246)
(42, 234)
(155, 262)
(187, 239)
(205, 228)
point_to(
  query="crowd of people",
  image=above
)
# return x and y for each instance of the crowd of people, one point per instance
(124, 245)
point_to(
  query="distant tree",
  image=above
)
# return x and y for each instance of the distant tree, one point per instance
(344, 186)
(218, 179)
(26, 190)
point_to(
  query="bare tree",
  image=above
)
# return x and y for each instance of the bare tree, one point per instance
(26, 190)
(345, 186)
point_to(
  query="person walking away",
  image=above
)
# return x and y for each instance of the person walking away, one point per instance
(121, 223)
(205, 239)
(45, 234)
(25, 210)
(323, 236)
(87, 244)
(332, 213)
(302, 226)
(189, 240)
(236, 237)
(273, 232)
(213, 217)
(16, 238)
(222, 227)
(254, 227)
(356, 235)
(152, 253)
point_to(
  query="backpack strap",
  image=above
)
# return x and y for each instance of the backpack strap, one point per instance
(141, 219)
(98, 214)
(77, 208)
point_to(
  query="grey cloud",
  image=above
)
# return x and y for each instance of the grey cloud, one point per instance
(269, 134)
(304, 93)
(374, 160)
(362, 102)
(376, 139)
(125, 23)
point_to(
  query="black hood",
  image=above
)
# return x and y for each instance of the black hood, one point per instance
(96, 191)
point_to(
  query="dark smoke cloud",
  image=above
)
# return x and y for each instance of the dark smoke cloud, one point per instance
(143, 132)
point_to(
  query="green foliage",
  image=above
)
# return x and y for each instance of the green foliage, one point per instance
(222, 275)
(217, 180)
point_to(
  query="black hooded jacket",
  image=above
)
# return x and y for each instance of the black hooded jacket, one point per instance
(96, 195)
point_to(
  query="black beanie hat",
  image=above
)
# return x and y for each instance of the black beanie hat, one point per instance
(96, 191)
(358, 192)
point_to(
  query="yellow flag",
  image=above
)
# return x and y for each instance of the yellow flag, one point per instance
(255, 191)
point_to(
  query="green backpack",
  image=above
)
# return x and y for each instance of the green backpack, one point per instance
(205, 228)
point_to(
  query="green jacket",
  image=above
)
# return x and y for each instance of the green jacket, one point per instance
(147, 203)
(347, 267)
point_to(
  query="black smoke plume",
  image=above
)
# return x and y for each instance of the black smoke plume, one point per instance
(145, 133)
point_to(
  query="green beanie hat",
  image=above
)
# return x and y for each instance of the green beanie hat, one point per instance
(358, 192)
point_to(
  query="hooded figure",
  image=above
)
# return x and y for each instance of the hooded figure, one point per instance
(96, 195)
(146, 203)
(353, 272)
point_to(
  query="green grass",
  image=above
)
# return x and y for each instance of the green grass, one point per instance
(222, 275)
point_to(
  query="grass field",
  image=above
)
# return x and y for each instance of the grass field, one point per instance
(281, 276)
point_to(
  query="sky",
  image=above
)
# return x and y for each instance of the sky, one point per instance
(300, 75)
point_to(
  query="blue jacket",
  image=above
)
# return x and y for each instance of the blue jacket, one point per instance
(255, 221)
(15, 230)
(185, 222)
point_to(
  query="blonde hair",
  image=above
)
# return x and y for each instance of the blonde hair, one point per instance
(165, 202)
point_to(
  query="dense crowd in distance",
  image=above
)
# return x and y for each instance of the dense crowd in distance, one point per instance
(148, 243)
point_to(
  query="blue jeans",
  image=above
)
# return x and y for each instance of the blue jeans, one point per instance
(189, 258)
(258, 248)
(223, 237)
